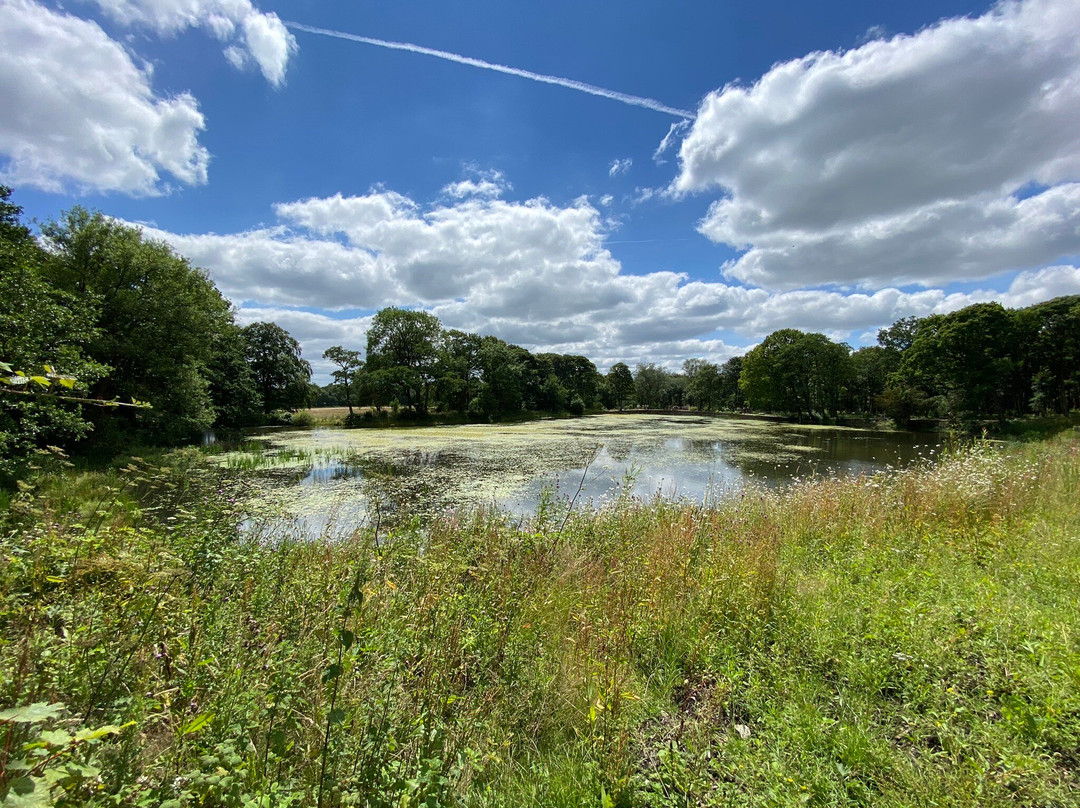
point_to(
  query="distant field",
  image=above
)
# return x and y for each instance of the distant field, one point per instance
(333, 413)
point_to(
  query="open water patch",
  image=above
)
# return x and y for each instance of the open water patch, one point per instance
(330, 482)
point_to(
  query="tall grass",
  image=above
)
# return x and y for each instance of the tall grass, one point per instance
(909, 639)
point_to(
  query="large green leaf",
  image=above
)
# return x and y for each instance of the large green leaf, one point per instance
(32, 713)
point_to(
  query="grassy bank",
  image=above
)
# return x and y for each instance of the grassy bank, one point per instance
(903, 640)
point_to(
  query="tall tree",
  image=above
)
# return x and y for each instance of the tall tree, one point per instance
(42, 334)
(349, 364)
(703, 383)
(731, 396)
(234, 392)
(458, 369)
(402, 349)
(1050, 334)
(620, 381)
(649, 383)
(966, 358)
(281, 374)
(157, 318)
(792, 371)
(871, 369)
(502, 389)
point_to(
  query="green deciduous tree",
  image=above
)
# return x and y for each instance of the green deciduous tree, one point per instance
(42, 334)
(649, 384)
(871, 369)
(620, 383)
(703, 383)
(792, 371)
(1050, 335)
(233, 390)
(349, 364)
(402, 352)
(157, 318)
(281, 375)
(458, 369)
(967, 359)
(731, 395)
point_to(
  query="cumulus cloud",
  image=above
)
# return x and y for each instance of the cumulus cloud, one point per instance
(252, 36)
(620, 166)
(533, 273)
(78, 110)
(903, 159)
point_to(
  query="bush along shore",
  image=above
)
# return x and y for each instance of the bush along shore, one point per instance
(906, 639)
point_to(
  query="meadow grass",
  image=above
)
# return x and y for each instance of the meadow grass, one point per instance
(904, 639)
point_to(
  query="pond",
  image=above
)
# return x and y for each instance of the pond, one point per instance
(330, 481)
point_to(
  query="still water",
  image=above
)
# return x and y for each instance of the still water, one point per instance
(331, 481)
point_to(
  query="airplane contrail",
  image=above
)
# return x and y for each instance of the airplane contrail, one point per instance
(580, 86)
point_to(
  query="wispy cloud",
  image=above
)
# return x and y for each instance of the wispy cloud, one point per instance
(570, 84)
(620, 166)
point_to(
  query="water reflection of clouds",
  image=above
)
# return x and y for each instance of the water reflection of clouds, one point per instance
(427, 471)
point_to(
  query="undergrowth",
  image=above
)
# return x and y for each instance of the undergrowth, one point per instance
(904, 639)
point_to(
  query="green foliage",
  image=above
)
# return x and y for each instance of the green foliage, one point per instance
(401, 354)
(280, 374)
(650, 382)
(620, 382)
(43, 334)
(349, 366)
(966, 359)
(703, 383)
(233, 387)
(43, 767)
(904, 639)
(157, 319)
(871, 369)
(792, 371)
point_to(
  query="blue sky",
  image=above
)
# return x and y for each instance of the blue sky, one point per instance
(844, 164)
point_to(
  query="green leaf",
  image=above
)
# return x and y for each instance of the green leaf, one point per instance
(347, 638)
(56, 737)
(67, 382)
(6, 368)
(333, 672)
(42, 380)
(32, 713)
(27, 792)
(101, 732)
(195, 724)
(337, 715)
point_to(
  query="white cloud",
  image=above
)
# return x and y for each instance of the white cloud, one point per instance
(675, 131)
(898, 161)
(252, 36)
(620, 166)
(79, 111)
(532, 273)
(948, 240)
(606, 200)
(490, 184)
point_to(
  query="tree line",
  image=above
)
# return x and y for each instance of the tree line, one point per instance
(981, 362)
(110, 338)
(414, 366)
